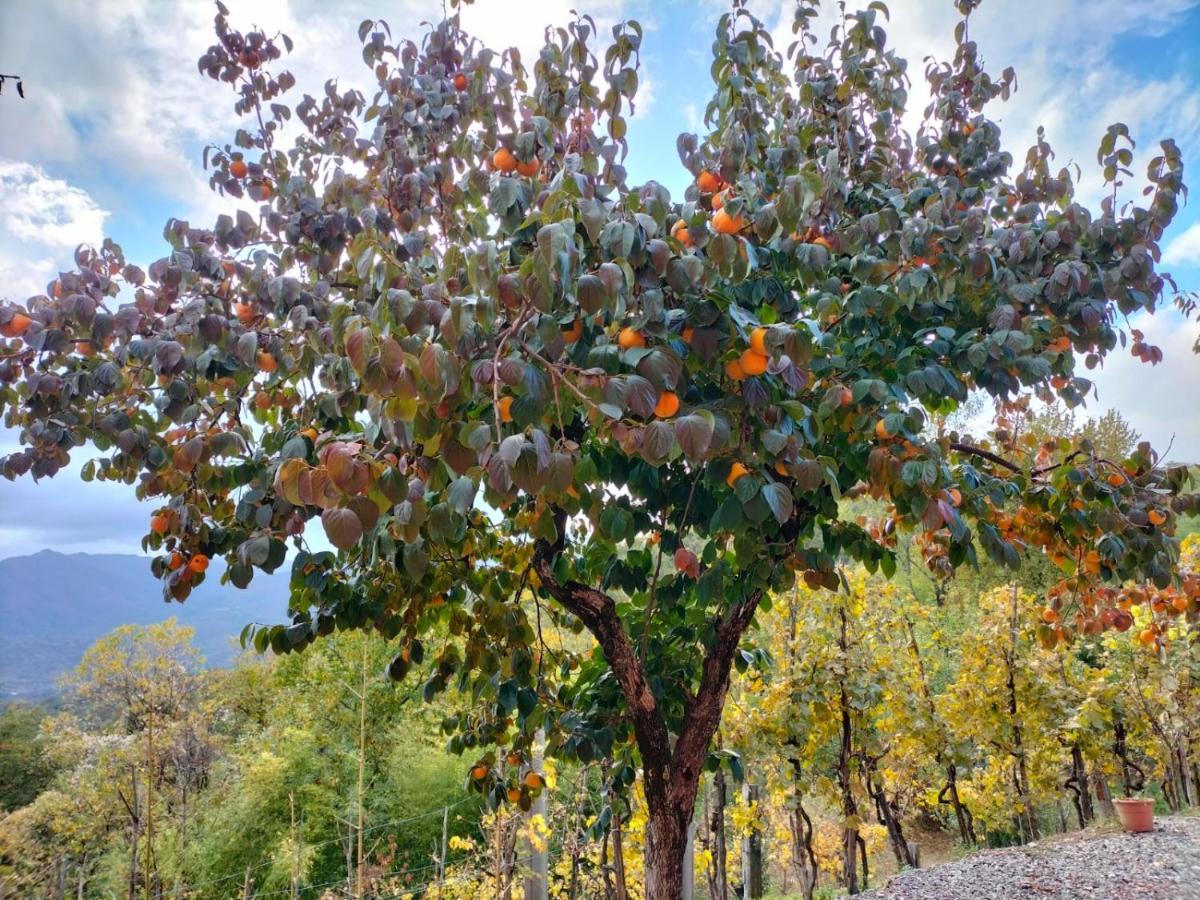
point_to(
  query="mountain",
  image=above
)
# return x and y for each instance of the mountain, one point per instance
(53, 606)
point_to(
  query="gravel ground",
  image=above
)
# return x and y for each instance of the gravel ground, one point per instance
(1096, 865)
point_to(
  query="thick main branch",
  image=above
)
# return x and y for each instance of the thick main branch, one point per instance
(703, 713)
(598, 612)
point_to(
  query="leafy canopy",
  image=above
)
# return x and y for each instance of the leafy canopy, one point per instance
(452, 331)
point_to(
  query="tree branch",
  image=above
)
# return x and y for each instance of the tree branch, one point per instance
(971, 450)
(703, 712)
(598, 612)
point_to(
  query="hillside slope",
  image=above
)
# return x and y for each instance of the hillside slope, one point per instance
(54, 605)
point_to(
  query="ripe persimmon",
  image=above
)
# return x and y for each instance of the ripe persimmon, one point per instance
(736, 471)
(239, 169)
(176, 561)
(724, 223)
(529, 169)
(1179, 603)
(718, 200)
(505, 407)
(460, 81)
(687, 334)
(532, 780)
(244, 312)
(680, 232)
(667, 406)
(1060, 344)
(480, 771)
(198, 563)
(16, 326)
(1156, 516)
(574, 333)
(758, 341)
(267, 362)
(734, 370)
(514, 795)
(822, 241)
(160, 523)
(504, 161)
(754, 363)
(1147, 636)
(708, 182)
(628, 338)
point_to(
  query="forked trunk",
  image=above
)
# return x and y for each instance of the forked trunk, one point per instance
(671, 768)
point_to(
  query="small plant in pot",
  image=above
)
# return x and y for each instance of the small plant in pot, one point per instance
(1136, 814)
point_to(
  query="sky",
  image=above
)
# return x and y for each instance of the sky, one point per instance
(108, 143)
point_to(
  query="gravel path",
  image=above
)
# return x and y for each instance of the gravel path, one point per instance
(1104, 865)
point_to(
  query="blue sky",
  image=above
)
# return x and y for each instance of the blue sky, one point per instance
(109, 137)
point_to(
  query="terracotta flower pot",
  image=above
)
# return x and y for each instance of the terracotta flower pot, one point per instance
(1136, 814)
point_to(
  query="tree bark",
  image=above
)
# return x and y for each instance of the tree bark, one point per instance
(803, 855)
(1078, 785)
(1132, 777)
(670, 777)
(720, 887)
(1186, 778)
(752, 874)
(622, 889)
(966, 822)
(1021, 772)
(888, 814)
(1103, 795)
(850, 836)
(135, 832)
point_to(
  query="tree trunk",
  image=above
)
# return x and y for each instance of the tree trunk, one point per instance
(1187, 780)
(665, 846)
(752, 861)
(850, 836)
(135, 833)
(671, 769)
(1078, 785)
(1103, 795)
(720, 887)
(605, 868)
(1133, 779)
(622, 889)
(949, 794)
(805, 859)
(1021, 772)
(888, 814)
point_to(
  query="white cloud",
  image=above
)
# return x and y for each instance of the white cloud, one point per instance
(1185, 248)
(44, 220)
(46, 210)
(1152, 398)
(1069, 73)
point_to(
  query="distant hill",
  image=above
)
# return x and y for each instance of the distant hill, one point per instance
(53, 606)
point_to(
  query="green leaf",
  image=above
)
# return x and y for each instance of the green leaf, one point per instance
(779, 498)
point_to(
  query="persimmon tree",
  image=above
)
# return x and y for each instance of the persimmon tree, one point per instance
(449, 328)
